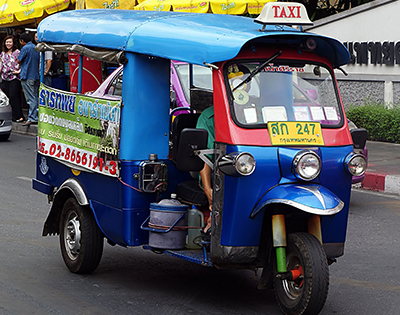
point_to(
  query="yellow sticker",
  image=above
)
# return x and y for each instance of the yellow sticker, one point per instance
(295, 133)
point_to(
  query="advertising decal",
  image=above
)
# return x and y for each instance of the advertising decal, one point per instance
(79, 130)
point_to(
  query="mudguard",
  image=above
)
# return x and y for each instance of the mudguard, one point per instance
(311, 198)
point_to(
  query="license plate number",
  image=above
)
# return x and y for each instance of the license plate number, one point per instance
(295, 133)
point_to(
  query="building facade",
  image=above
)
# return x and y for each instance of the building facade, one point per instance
(371, 32)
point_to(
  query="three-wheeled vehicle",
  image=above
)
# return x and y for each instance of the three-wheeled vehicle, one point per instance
(282, 160)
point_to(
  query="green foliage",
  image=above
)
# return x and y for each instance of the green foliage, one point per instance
(318, 9)
(381, 122)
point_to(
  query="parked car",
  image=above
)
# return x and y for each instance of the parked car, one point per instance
(5, 117)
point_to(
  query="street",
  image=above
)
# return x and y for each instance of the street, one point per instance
(34, 279)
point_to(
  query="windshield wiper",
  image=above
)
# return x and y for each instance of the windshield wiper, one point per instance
(257, 70)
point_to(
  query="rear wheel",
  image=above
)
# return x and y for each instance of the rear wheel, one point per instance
(307, 294)
(81, 240)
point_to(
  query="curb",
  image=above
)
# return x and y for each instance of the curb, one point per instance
(381, 182)
(30, 130)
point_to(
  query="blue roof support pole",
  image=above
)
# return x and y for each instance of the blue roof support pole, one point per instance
(146, 106)
(42, 67)
(80, 71)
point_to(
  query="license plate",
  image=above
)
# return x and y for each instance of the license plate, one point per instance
(295, 133)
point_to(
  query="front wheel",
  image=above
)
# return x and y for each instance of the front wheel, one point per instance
(306, 295)
(81, 240)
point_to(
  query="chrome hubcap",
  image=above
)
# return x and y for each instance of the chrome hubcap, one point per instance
(72, 233)
(293, 289)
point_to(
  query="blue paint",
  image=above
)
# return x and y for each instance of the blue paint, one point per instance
(190, 37)
(244, 194)
(139, 139)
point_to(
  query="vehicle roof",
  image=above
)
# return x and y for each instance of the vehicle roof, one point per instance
(190, 37)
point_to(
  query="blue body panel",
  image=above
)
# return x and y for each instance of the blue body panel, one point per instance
(144, 129)
(273, 168)
(118, 209)
(190, 37)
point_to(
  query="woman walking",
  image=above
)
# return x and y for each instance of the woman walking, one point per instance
(10, 75)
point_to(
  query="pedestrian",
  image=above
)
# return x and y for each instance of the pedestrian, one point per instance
(48, 58)
(29, 62)
(9, 70)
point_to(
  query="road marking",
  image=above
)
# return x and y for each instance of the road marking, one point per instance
(366, 284)
(28, 179)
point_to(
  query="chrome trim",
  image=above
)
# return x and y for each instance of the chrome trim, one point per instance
(298, 157)
(228, 164)
(75, 187)
(352, 156)
(302, 207)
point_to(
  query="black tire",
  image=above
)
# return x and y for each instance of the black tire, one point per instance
(306, 295)
(81, 240)
(4, 137)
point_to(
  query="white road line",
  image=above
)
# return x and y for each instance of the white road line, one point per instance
(28, 179)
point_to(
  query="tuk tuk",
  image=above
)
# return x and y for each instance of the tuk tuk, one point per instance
(123, 166)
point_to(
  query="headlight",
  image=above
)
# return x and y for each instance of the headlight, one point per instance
(235, 164)
(306, 165)
(356, 164)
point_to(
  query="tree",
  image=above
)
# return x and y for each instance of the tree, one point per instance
(318, 9)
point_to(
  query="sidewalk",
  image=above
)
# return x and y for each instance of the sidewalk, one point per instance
(383, 173)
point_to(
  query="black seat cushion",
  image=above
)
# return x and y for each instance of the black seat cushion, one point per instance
(181, 122)
(190, 192)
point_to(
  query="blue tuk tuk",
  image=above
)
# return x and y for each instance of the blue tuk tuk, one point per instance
(123, 168)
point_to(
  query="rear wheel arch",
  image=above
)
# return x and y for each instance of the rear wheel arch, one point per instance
(70, 188)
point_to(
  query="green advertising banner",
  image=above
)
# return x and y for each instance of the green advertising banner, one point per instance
(79, 130)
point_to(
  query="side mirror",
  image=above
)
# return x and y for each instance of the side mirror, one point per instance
(191, 139)
(359, 136)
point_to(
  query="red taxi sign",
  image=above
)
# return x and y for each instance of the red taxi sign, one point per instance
(284, 13)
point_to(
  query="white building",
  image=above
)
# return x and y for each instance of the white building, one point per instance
(371, 32)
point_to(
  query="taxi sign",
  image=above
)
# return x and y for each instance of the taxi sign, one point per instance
(295, 133)
(284, 13)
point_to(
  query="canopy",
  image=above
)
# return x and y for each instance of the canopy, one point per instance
(16, 12)
(205, 6)
(189, 37)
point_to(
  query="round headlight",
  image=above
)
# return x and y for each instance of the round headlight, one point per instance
(356, 164)
(245, 164)
(237, 164)
(307, 165)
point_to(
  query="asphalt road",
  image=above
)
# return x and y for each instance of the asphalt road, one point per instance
(34, 280)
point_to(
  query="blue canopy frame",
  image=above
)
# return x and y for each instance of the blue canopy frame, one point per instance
(189, 37)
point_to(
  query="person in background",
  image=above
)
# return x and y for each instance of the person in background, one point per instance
(48, 58)
(9, 70)
(29, 62)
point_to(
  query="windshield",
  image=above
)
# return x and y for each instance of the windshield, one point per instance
(202, 77)
(282, 92)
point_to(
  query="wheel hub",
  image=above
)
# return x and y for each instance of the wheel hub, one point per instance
(72, 234)
(294, 288)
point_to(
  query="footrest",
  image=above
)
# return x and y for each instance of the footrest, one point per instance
(197, 256)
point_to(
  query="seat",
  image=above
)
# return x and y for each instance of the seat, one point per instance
(188, 191)
(181, 122)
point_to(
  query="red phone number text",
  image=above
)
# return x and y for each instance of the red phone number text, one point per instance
(75, 156)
